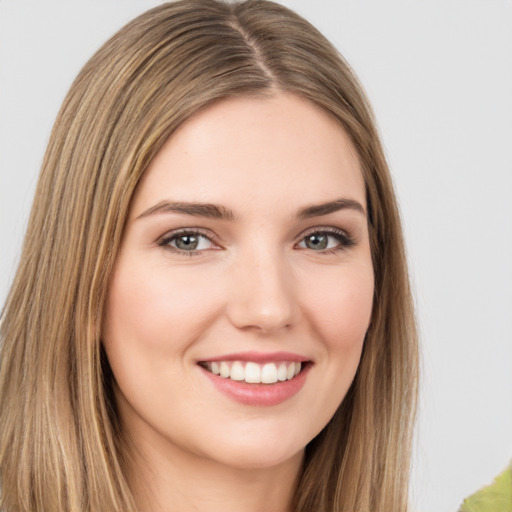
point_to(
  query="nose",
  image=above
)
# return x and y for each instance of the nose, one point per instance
(262, 295)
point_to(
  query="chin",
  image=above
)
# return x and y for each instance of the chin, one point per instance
(255, 457)
(258, 446)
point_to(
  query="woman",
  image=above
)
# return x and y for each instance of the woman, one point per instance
(212, 307)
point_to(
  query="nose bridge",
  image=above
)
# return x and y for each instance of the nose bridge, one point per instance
(263, 294)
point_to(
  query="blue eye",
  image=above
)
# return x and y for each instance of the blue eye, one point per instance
(187, 241)
(326, 240)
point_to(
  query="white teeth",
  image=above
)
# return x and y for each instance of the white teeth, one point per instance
(254, 373)
(224, 370)
(269, 373)
(237, 371)
(282, 372)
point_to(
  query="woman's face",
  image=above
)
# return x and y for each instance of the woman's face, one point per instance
(246, 252)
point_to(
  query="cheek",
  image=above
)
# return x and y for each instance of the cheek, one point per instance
(153, 316)
(151, 307)
(341, 307)
(339, 311)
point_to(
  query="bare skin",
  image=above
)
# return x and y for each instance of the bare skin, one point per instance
(247, 244)
(214, 487)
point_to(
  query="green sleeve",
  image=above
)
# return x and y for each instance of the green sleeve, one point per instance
(496, 497)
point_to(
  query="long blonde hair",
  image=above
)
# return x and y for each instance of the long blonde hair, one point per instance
(60, 442)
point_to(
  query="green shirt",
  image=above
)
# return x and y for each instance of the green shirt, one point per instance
(496, 497)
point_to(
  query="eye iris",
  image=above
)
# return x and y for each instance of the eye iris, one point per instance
(187, 242)
(316, 241)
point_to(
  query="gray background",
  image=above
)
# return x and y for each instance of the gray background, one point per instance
(439, 74)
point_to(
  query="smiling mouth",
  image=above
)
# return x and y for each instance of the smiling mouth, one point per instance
(254, 373)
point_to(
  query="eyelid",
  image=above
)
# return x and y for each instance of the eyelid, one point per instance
(344, 238)
(164, 240)
(324, 229)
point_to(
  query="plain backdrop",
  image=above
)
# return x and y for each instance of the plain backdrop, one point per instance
(439, 75)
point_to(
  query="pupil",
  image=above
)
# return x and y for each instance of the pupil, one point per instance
(187, 242)
(317, 241)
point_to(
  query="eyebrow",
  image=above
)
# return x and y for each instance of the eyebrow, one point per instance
(317, 210)
(213, 211)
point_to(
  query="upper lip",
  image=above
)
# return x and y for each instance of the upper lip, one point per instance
(259, 357)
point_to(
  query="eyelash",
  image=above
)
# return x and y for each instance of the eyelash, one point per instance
(169, 237)
(344, 240)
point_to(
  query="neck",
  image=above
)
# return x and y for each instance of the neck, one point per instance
(172, 480)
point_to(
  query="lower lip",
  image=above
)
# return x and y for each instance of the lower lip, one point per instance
(262, 395)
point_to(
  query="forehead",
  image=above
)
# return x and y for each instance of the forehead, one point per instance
(248, 151)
